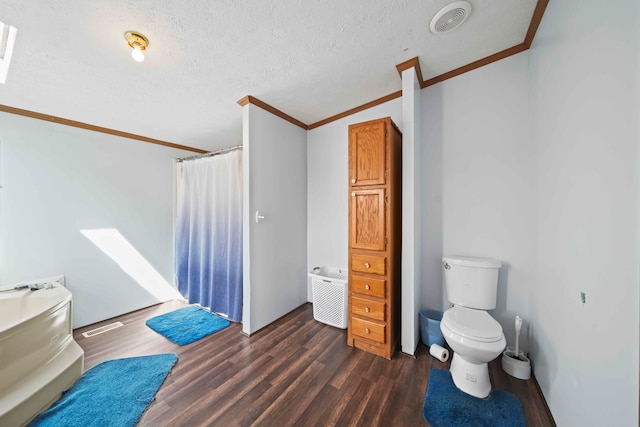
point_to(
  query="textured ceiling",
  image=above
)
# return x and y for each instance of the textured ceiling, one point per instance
(311, 59)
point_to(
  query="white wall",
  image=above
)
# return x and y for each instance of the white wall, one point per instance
(328, 186)
(478, 175)
(584, 92)
(275, 171)
(56, 181)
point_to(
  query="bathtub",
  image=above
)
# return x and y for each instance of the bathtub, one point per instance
(38, 356)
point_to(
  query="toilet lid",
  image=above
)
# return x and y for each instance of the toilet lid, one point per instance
(473, 324)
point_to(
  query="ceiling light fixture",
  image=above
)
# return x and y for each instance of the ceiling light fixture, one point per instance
(138, 43)
(450, 17)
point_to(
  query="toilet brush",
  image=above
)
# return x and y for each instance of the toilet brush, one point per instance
(518, 327)
(514, 362)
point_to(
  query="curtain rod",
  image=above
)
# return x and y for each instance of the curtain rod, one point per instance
(212, 153)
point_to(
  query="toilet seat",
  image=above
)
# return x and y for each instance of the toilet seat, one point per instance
(477, 325)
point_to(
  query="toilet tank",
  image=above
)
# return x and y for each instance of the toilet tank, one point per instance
(471, 282)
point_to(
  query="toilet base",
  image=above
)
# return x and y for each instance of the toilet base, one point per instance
(472, 378)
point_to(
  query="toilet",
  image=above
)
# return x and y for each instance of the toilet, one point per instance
(475, 337)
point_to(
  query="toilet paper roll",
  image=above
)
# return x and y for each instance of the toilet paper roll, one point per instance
(440, 353)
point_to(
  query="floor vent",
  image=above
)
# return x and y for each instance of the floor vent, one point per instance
(102, 329)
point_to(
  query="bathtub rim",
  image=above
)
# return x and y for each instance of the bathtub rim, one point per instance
(66, 296)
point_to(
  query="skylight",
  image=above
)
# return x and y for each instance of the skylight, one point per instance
(7, 39)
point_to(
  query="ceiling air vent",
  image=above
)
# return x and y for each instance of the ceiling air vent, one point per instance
(450, 17)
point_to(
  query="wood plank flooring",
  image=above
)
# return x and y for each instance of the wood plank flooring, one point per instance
(294, 372)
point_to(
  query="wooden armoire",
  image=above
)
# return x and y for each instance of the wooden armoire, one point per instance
(375, 203)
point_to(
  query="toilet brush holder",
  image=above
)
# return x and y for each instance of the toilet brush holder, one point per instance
(518, 366)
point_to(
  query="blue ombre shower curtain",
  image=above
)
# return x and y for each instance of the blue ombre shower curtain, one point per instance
(208, 239)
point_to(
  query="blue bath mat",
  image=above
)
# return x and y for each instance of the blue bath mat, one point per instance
(446, 406)
(187, 325)
(113, 393)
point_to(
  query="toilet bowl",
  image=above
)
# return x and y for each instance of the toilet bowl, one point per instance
(475, 337)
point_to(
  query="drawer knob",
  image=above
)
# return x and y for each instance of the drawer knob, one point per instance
(367, 265)
(353, 181)
(353, 194)
(367, 287)
(367, 331)
(366, 309)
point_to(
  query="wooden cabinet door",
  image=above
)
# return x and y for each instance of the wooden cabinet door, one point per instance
(367, 217)
(367, 154)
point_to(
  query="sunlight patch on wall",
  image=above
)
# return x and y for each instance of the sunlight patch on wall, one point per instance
(7, 40)
(118, 248)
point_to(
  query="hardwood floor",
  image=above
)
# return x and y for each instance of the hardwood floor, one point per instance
(294, 372)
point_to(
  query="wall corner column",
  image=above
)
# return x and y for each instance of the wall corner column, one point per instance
(246, 220)
(411, 202)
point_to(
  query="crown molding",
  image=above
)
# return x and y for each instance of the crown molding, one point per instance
(362, 107)
(411, 63)
(538, 13)
(94, 128)
(255, 101)
(476, 64)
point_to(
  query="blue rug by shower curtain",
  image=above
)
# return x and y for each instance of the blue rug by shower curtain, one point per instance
(208, 233)
(113, 393)
(186, 325)
(446, 406)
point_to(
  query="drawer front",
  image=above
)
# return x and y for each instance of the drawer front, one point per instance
(369, 264)
(368, 308)
(368, 330)
(370, 287)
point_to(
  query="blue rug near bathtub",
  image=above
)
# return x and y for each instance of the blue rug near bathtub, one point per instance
(113, 393)
(446, 406)
(187, 325)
